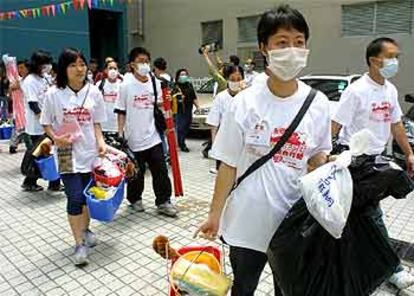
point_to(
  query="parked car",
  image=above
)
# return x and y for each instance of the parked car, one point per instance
(205, 98)
(331, 85)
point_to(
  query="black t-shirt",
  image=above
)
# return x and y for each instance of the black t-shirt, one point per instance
(185, 104)
(4, 86)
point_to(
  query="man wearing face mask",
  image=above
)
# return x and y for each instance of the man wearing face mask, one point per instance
(372, 103)
(136, 123)
(254, 123)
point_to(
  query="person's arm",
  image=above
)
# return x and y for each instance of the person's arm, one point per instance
(99, 139)
(317, 160)
(398, 132)
(210, 64)
(214, 131)
(228, 147)
(121, 122)
(60, 142)
(336, 128)
(225, 180)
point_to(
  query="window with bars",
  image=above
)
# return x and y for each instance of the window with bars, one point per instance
(212, 32)
(377, 18)
(248, 29)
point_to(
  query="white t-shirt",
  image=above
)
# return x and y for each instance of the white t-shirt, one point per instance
(34, 90)
(128, 76)
(137, 99)
(166, 76)
(220, 105)
(367, 104)
(254, 122)
(110, 96)
(249, 77)
(64, 104)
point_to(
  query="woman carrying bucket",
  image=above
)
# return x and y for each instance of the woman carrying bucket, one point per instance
(72, 117)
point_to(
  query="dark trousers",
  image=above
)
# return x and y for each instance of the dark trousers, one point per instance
(375, 212)
(28, 181)
(247, 267)
(161, 183)
(183, 123)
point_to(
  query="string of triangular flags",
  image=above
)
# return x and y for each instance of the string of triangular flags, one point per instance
(56, 9)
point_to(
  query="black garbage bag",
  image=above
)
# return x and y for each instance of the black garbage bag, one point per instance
(375, 178)
(308, 261)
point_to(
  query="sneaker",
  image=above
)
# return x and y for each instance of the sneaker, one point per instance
(184, 149)
(167, 209)
(81, 255)
(59, 188)
(12, 150)
(89, 239)
(402, 279)
(213, 171)
(32, 188)
(138, 206)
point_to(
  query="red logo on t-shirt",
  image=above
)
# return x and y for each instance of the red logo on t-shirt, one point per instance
(81, 114)
(380, 112)
(142, 102)
(110, 97)
(293, 152)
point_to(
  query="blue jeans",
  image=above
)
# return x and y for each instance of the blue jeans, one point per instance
(75, 184)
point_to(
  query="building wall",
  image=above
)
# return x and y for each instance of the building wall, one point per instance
(23, 36)
(172, 29)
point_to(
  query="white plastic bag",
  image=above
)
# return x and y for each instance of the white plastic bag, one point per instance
(327, 192)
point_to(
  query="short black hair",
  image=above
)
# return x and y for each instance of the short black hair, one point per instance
(24, 61)
(136, 52)
(54, 67)
(93, 61)
(230, 69)
(177, 74)
(161, 64)
(235, 60)
(67, 57)
(38, 59)
(282, 17)
(109, 62)
(375, 47)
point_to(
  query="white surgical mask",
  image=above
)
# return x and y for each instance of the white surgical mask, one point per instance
(287, 63)
(389, 68)
(234, 86)
(143, 69)
(46, 69)
(113, 74)
(90, 77)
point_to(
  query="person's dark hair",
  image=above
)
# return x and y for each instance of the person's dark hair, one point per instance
(54, 67)
(282, 17)
(38, 59)
(235, 60)
(25, 62)
(161, 64)
(177, 74)
(375, 47)
(109, 62)
(67, 57)
(136, 52)
(230, 69)
(93, 61)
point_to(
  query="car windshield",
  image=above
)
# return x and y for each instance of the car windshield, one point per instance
(207, 88)
(332, 88)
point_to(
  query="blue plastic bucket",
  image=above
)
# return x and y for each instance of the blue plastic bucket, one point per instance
(47, 168)
(104, 210)
(6, 132)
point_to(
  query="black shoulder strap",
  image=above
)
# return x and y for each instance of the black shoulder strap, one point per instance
(154, 86)
(288, 133)
(101, 85)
